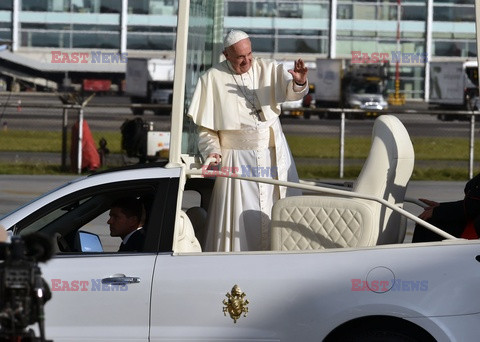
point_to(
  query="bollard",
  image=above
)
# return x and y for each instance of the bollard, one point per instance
(103, 151)
(19, 105)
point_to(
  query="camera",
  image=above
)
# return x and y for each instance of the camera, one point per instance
(23, 291)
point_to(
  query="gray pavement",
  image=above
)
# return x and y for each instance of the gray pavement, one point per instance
(50, 158)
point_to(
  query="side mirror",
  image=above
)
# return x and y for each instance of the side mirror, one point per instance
(88, 242)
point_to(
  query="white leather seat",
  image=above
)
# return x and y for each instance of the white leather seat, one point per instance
(317, 222)
(198, 217)
(185, 240)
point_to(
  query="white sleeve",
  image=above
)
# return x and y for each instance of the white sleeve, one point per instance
(208, 142)
(297, 88)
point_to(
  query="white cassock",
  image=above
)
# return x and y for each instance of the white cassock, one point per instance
(238, 118)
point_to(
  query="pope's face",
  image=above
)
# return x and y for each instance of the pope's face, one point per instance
(240, 56)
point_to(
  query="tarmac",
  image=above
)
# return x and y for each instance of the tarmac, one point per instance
(55, 158)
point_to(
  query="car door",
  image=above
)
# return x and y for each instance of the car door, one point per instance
(100, 296)
(194, 296)
(84, 305)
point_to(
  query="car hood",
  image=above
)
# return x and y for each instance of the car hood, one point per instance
(368, 98)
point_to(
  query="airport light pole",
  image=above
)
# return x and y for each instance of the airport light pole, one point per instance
(398, 99)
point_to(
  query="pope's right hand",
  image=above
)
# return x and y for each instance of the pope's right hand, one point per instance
(217, 158)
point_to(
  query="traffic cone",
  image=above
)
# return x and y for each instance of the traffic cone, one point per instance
(19, 106)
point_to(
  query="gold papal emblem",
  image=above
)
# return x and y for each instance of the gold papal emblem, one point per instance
(236, 304)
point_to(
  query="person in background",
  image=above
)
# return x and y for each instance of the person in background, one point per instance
(236, 107)
(458, 218)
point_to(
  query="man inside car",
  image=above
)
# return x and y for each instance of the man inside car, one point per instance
(126, 220)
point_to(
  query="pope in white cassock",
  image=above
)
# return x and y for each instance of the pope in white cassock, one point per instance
(236, 106)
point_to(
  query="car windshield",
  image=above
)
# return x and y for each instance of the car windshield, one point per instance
(366, 88)
(51, 217)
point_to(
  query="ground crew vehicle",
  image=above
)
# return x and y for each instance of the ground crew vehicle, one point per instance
(454, 85)
(98, 86)
(301, 107)
(339, 84)
(150, 81)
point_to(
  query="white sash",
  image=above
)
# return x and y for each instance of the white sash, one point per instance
(247, 139)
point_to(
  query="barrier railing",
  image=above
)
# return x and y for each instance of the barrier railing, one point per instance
(343, 113)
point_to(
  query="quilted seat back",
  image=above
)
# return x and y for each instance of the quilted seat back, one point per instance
(318, 222)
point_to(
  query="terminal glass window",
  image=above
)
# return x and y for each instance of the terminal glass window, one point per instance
(414, 11)
(455, 48)
(78, 6)
(70, 35)
(5, 31)
(451, 44)
(298, 41)
(263, 40)
(6, 5)
(456, 11)
(277, 8)
(304, 27)
(204, 48)
(149, 41)
(151, 25)
(159, 7)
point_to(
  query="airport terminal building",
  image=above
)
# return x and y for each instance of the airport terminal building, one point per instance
(411, 32)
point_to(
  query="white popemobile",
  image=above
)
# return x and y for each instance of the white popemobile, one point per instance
(338, 268)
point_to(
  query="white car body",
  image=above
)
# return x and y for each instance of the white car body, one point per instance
(292, 296)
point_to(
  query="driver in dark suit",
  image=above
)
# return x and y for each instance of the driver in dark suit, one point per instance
(126, 220)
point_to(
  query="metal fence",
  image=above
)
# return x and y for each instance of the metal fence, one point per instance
(443, 115)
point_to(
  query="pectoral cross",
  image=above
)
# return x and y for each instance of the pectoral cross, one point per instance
(258, 113)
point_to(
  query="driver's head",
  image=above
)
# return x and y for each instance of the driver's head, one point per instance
(125, 216)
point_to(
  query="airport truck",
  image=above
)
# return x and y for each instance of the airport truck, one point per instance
(338, 83)
(454, 85)
(150, 81)
(98, 86)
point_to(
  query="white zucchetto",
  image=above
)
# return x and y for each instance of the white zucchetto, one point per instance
(234, 36)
